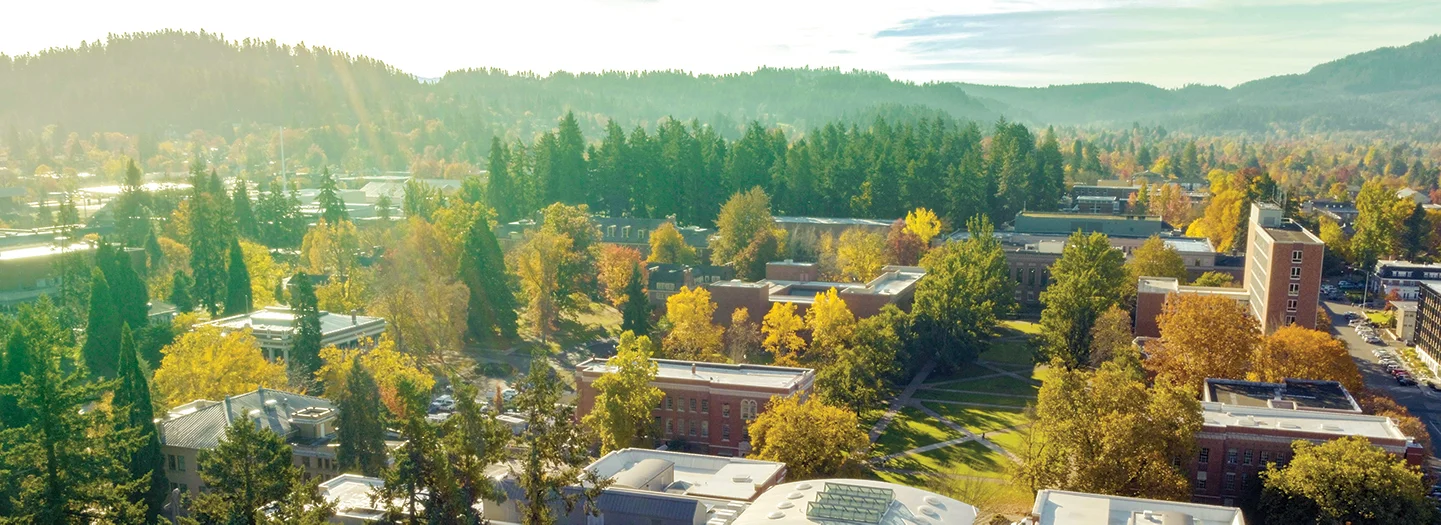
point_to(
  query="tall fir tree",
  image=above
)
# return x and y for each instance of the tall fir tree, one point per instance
(180, 292)
(154, 256)
(132, 219)
(238, 295)
(244, 215)
(102, 330)
(209, 238)
(568, 163)
(250, 468)
(132, 298)
(332, 207)
(636, 314)
(491, 310)
(16, 365)
(305, 349)
(361, 431)
(555, 450)
(500, 190)
(135, 411)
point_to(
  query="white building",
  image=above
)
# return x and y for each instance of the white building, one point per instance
(1060, 507)
(274, 329)
(837, 501)
(1404, 278)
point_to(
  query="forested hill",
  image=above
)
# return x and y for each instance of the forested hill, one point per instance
(172, 82)
(1392, 87)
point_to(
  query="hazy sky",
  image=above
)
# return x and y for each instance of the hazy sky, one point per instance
(1017, 42)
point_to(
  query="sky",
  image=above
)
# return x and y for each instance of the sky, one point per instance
(1170, 43)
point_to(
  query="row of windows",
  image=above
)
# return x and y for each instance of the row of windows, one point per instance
(670, 404)
(321, 463)
(175, 463)
(1027, 276)
(671, 426)
(1229, 484)
(1246, 456)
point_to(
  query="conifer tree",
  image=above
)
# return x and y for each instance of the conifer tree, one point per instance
(13, 368)
(132, 298)
(244, 215)
(250, 468)
(635, 317)
(134, 411)
(555, 451)
(180, 292)
(360, 429)
(102, 330)
(154, 256)
(305, 350)
(500, 190)
(332, 207)
(419, 467)
(209, 238)
(238, 295)
(491, 310)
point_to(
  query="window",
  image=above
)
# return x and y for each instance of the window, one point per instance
(1265, 456)
(705, 406)
(705, 429)
(1295, 272)
(1290, 319)
(680, 427)
(180, 462)
(669, 403)
(1294, 289)
(692, 428)
(1205, 455)
(1230, 481)
(1246, 457)
(725, 431)
(1031, 278)
(669, 426)
(725, 410)
(1201, 480)
(305, 461)
(1231, 456)
(1290, 305)
(748, 409)
(692, 404)
(170, 461)
(1295, 256)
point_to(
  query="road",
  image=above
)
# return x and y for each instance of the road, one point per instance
(1423, 402)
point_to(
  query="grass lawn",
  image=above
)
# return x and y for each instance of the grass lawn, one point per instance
(1019, 402)
(1381, 319)
(980, 419)
(1024, 327)
(1009, 352)
(868, 418)
(970, 371)
(997, 385)
(1011, 440)
(912, 428)
(966, 459)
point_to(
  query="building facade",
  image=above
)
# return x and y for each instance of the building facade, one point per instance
(274, 328)
(27, 272)
(1403, 278)
(1283, 269)
(707, 405)
(307, 424)
(796, 283)
(1428, 326)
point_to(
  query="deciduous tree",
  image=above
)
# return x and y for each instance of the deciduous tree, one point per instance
(858, 375)
(1203, 336)
(540, 262)
(1215, 279)
(924, 224)
(387, 366)
(669, 247)
(204, 364)
(742, 220)
(1087, 280)
(813, 439)
(861, 254)
(966, 289)
(624, 396)
(782, 327)
(831, 324)
(616, 264)
(1346, 480)
(903, 247)
(693, 333)
(1294, 351)
(1111, 336)
(742, 337)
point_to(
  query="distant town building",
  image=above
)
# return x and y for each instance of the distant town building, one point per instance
(274, 328)
(797, 283)
(1249, 424)
(858, 501)
(1415, 196)
(1343, 212)
(706, 405)
(665, 280)
(1063, 507)
(1067, 223)
(1427, 334)
(817, 227)
(630, 232)
(306, 423)
(27, 272)
(1404, 278)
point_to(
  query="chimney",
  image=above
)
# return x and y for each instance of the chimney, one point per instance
(352, 319)
(692, 369)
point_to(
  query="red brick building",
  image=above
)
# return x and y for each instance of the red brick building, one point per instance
(707, 405)
(796, 283)
(1249, 424)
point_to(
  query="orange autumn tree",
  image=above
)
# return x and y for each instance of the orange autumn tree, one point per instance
(1203, 336)
(388, 365)
(1296, 352)
(782, 327)
(614, 266)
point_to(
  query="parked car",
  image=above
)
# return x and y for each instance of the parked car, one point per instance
(1405, 380)
(508, 394)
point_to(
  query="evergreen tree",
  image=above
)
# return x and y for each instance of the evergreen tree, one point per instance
(102, 330)
(238, 298)
(134, 410)
(154, 256)
(244, 216)
(180, 292)
(13, 369)
(570, 183)
(635, 317)
(250, 468)
(132, 297)
(332, 208)
(132, 221)
(305, 349)
(555, 450)
(360, 430)
(492, 305)
(419, 468)
(209, 238)
(500, 190)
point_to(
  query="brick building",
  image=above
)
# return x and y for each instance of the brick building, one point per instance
(1249, 424)
(1427, 333)
(795, 283)
(707, 405)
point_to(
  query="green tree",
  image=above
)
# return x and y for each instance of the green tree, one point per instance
(635, 313)
(250, 468)
(132, 218)
(134, 410)
(13, 369)
(1346, 480)
(860, 375)
(410, 482)
(667, 246)
(1214, 279)
(1087, 280)
(301, 505)
(813, 439)
(102, 330)
(132, 298)
(554, 451)
(966, 289)
(238, 298)
(332, 207)
(243, 214)
(360, 430)
(1154, 259)
(472, 441)
(305, 346)
(745, 218)
(500, 189)
(180, 292)
(1107, 432)
(492, 305)
(209, 237)
(1377, 224)
(624, 397)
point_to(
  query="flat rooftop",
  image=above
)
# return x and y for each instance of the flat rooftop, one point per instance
(1291, 232)
(694, 475)
(351, 494)
(1060, 507)
(837, 501)
(1311, 422)
(1304, 394)
(779, 377)
(834, 221)
(1405, 306)
(1171, 285)
(42, 251)
(1088, 216)
(282, 319)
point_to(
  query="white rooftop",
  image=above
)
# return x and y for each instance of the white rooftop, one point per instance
(1340, 424)
(351, 494)
(693, 474)
(282, 319)
(42, 250)
(833, 220)
(1059, 507)
(892, 504)
(730, 374)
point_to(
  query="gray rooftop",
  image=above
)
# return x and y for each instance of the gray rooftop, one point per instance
(834, 221)
(282, 319)
(779, 377)
(1301, 394)
(201, 424)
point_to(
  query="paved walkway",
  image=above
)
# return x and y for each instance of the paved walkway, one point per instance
(927, 448)
(901, 400)
(917, 400)
(957, 427)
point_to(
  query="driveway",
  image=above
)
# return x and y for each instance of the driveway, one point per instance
(1423, 402)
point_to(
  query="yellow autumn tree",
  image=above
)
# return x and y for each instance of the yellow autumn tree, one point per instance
(668, 246)
(614, 266)
(625, 396)
(389, 367)
(693, 334)
(264, 273)
(831, 323)
(1203, 336)
(206, 364)
(924, 224)
(860, 254)
(782, 327)
(1294, 351)
(812, 438)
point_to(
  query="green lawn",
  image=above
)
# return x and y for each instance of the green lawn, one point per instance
(997, 385)
(1010, 440)
(967, 459)
(943, 395)
(1009, 352)
(1025, 327)
(980, 419)
(912, 428)
(970, 371)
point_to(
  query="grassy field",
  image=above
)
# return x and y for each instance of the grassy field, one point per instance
(996, 385)
(911, 429)
(966, 459)
(944, 395)
(1024, 327)
(970, 371)
(979, 419)
(1009, 352)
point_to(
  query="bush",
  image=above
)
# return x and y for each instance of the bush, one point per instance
(495, 370)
